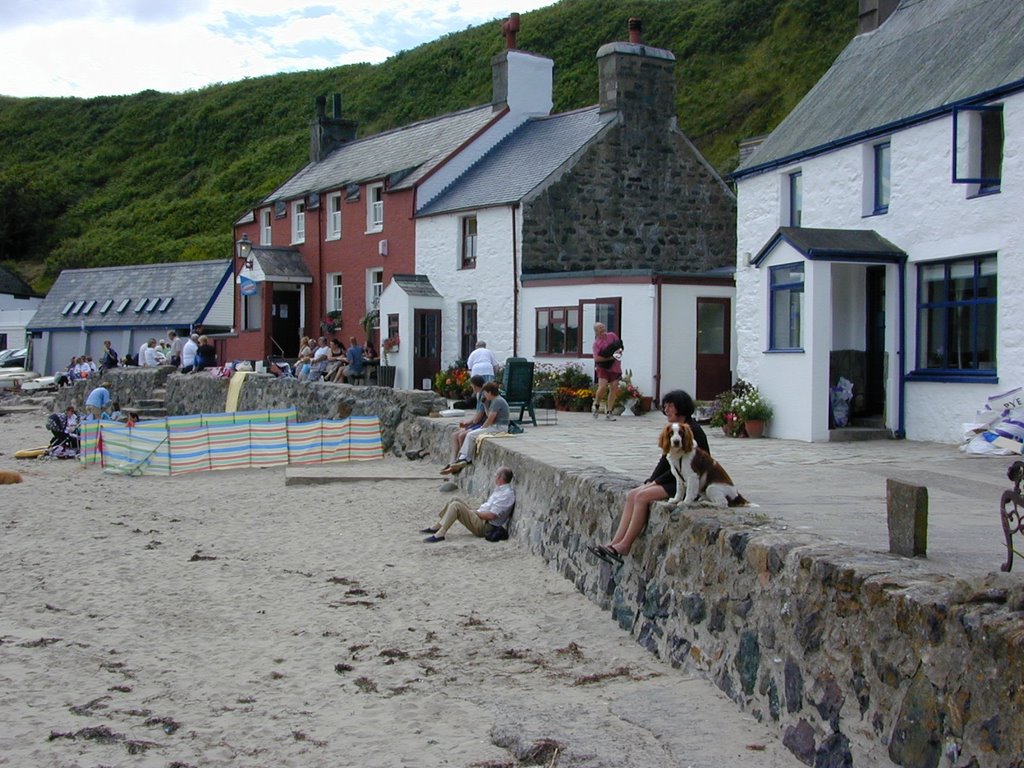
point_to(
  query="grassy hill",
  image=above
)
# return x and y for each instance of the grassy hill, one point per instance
(160, 177)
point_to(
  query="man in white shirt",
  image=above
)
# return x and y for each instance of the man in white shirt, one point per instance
(481, 362)
(188, 353)
(177, 344)
(320, 358)
(142, 354)
(487, 520)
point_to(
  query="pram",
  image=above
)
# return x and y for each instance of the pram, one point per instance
(64, 443)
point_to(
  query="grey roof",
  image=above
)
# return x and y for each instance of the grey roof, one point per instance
(281, 264)
(927, 57)
(834, 245)
(174, 295)
(521, 161)
(413, 150)
(12, 285)
(416, 285)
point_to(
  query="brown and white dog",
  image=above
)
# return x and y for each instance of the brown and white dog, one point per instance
(696, 471)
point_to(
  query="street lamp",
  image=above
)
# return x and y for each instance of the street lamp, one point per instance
(243, 248)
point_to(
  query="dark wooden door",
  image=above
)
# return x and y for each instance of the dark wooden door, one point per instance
(874, 385)
(285, 331)
(714, 349)
(426, 360)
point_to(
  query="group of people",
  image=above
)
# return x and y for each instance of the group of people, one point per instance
(328, 360)
(186, 353)
(65, 428)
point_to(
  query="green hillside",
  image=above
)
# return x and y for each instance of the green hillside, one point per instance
(160, 177)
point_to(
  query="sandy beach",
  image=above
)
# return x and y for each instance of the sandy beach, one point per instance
(223, 618)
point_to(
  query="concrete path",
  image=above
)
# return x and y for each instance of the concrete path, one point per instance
(836, 490)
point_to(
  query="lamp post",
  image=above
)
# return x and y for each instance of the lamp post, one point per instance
(243, 249)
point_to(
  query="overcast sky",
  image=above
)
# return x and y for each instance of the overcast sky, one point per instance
(110, 47)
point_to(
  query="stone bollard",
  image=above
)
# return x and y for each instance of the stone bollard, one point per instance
(907, 517)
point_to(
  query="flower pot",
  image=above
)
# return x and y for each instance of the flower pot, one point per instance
(754, 427)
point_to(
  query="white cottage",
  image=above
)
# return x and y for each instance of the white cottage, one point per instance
(18, 303)
(880, 235)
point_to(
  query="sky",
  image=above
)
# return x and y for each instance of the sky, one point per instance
(91, 48)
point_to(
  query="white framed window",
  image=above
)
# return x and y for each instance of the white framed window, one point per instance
(252, 312)
(334, 216)
(793, 199)
(375, 287)
(298, 222)
(266, 232)
(374, 207)
(468, 242)
(334, 292)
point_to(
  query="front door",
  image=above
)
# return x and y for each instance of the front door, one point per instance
(284, 335)
(714, 352)
(426, 360)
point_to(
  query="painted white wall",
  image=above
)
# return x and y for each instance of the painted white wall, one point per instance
(679, 334)
(930, 218)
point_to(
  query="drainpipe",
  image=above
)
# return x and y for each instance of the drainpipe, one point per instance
(515, 287)
(318, 278)
(657, 339)
(901, 382)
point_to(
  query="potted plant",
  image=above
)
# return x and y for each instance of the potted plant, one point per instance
(389, 345)
(331, 321)
(724, 413)
(754, 410)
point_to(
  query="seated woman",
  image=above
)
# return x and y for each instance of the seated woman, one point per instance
(206, 354)
(661, 485)
(335, 361)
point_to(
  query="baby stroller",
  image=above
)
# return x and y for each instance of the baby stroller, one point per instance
(64, 443)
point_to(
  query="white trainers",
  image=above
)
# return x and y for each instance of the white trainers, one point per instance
(593, 410)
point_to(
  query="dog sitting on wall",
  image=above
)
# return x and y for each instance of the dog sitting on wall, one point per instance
(696, 471)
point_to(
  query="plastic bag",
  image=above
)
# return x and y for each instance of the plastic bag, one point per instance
(841, 395)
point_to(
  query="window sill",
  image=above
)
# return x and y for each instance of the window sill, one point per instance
(872, 214)
(984, 193)
(298, 242)
(946, 377)
(794, 350)
(332, 237)
(374, 230)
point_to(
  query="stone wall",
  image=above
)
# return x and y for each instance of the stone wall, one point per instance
(858, 658)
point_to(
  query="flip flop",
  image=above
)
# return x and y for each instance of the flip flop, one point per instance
(612, 553)
(600, 554)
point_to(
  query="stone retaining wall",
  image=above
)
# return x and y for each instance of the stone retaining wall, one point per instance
(858, 658)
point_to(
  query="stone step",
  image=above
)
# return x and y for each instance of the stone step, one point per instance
(856, 434)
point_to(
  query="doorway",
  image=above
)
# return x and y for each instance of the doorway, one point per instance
(714, 350)
(874, 362)
(284, 332)
(426, 360)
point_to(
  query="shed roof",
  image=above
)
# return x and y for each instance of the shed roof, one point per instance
(143, 295)
(834, 245)
(281, 264)
(928, 57)
(407, 154)
(416, 285)
(12, 285)
(521, 161)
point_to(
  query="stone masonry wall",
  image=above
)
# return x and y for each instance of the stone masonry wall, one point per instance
(858, 658)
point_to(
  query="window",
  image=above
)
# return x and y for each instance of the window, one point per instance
(375, 208)
(786, 307)
(298, 222)
(468, 246)
(252, 312)
(467, 325)
(558, 331)
(978, 148)
(375, 279)
(796, 199)
(334, 216)
(956, 305)
(334, 292)
(266, 232)
(881, 178)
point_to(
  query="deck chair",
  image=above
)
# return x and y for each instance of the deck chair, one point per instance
(517, 388)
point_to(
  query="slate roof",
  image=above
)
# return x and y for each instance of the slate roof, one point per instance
(159, 295)
(281, 264)
(521, 161)
(413, 150)
(834, 245)
(416, 285)
(12, 285)
(927, 57)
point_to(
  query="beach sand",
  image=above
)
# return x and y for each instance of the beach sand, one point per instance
(224, 619)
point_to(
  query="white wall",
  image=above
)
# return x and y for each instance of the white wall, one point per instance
(929, 218)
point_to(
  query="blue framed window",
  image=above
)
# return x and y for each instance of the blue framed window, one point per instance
(956, 309)
(881, 197)
(786, 307)
(978, 159)
(796, 198)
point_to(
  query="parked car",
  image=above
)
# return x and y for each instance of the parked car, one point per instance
(14, 358)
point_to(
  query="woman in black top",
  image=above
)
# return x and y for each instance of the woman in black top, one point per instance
(206, 354)
(661, 485)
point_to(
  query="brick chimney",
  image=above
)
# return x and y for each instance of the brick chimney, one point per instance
(637, 80)
(520, 81)
(326, 134)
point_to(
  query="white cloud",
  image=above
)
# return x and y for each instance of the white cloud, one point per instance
(109, 47)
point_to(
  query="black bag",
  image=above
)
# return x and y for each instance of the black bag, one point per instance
(608, 351)
(495, 532)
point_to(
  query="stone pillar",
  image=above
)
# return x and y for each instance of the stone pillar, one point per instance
(907, 516)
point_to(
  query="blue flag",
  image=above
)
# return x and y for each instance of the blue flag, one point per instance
(248, 286)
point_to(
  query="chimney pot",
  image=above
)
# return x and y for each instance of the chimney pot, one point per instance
(509, 28)
(635, 29)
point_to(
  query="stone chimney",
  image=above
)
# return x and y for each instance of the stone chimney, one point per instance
(637, 80)
(520, 81)
(326, 134)
(873, 13)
